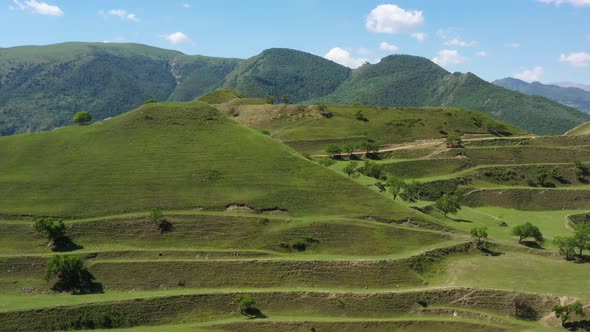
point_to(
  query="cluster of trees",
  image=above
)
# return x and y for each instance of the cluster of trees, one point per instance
(574, 246)
(368, 147)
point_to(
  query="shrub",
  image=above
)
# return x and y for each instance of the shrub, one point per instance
(372, 169)
(527, 230)
(245, 303)
(480, 236)
(326, 162)
(82, 118)
(454, 141)
(150, 101)
(351, 168)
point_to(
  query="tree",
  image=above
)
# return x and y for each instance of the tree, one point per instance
(564, 312)
(359, 115)
(480, 235)
(270, 100)
(82, 118)
(322, 107)
(245, 303)
(285, 99)
(566, 245)
(448, 204)
(69, 270)
(581, 239)
(370, 147)
(349, 149)
(542, 176)
(54, 229)
(555, 173)
(454, 141)
(351, 168)
(333, 150)
(527, 230)
(372, 169)
(395, 186)
(156, 215)
(411, 192)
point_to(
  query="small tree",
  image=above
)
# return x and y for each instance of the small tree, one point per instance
(448, 204)
(359, 115)
(69, 270)
(564, 312)
(322, 107)
(411, 192)
(555, 173)
(370, 147)
(245, 303)
(566, 245)
(351, 168)
(349, 149)
(480, 236)
(156, 215)
(542, 176)
(270, 100)
(285, 99)
(454, 141)
(82, 118)
(395, 186)
(372, 169)
(54, 229)
(333, 150)
(581, 239)
(527, 230)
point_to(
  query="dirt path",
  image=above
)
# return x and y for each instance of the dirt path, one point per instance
(433, 142)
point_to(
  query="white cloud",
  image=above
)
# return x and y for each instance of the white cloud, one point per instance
(419, 36)
(512, 45)
(575, 3)
(393, 19)
(186, 5)
(385, 46)
(176, 38)
(482, 53)
(445, 57)
(579, 59)
(42, 8)
(530, 75)
(121, 13)
(461, 43)
(343, 57)
(364, 51)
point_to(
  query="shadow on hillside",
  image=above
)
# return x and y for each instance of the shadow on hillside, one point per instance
(253, 313)
(489, 252)
(580, 260)
(84, 284)
(461, 220)
(372, 156)
(65, 244)
(582, 325)
(532, 244)
(562, 180)
(165, 226)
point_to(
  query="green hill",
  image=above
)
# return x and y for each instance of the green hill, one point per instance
(276, 72)
(573, 97)
(171, 156)
(42, 87)
(402, 80)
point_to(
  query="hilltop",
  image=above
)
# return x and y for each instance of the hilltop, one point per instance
(41, 87)
(570, 96)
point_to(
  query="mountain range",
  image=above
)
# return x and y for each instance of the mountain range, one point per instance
(42, 87)
(570, 96)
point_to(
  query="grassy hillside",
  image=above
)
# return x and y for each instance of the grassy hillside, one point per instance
(309, 130)
(170, 156)
(401, 80)
(276, 72)
(573, 97)
(42, 87)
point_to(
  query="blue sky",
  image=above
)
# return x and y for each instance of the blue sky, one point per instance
(546, 40)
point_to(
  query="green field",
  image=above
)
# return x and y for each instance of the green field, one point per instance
(247, 213)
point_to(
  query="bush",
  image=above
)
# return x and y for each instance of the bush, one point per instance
(454, 141)
(245, 303)
(326, 162)
(372, 169)
(527, 230)
(82, 118)
(479, 235)
(54, 229)
(150, 101)
(351, 168)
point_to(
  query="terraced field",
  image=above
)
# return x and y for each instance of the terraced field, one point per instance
(247, 215)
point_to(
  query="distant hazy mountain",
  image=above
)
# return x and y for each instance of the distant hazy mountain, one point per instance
(42, 87)
(570, 96)
(572, 85)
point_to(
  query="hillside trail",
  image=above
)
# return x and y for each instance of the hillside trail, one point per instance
(432, 142)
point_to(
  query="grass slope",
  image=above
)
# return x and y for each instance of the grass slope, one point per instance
(172, 156)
